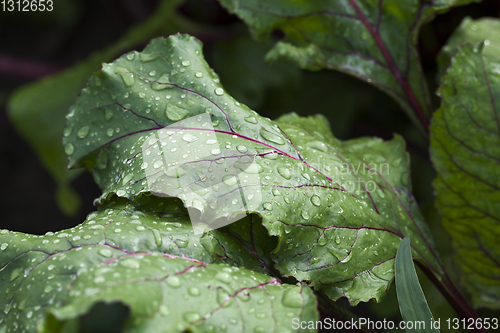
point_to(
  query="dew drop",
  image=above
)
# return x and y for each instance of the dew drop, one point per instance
(108, 114)
(3, 246)
(191, 316)
(241, 148)
(305, 215)
(69, 149)
(316, 200)
(130, 263)
(48, 289)
(199, 74)
(142, 95)
(146, 57)
(175, 113)
(318, 145)
(83, 132)
(131, 56)
(292, 298)
(110, 132)
(144, 165)
(223, 277)
(158, 238)
(215, 151)
(152, 73)
(99, 279)
(285, 173)
(162, 83)
(173, 281)
(219, 91)
(346, 259)
(67, 130)
(404, 179)
(127, 77)
(229, 180)
(194, 291)
(271, 156)
(337, 239)
(267, 206)
(175, 172)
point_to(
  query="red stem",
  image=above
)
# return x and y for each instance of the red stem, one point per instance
(402, 80)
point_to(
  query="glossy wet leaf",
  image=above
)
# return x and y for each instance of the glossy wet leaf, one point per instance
(149, 261)
(159, 121)
(411, 298)
(372, 40)
(38, 109)
(465, 150)
(485, 29)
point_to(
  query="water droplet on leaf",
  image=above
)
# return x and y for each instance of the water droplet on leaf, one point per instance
(292, 298)
(316, 200)
(285, 173)
(83, 132)
(175, 113)
(69, 149)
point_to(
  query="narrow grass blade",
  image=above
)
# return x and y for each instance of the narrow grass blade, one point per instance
(412, 303)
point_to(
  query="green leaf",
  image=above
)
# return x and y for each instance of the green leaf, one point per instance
(152, 263)
(374, 41)
(411, 298)
(38, 109)
(472, 31)
(465, 150)
(159, 121)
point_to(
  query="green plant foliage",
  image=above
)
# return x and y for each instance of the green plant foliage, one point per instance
(337, 208)
(411, 298)
(256, 79)
(472, 31)
(465, 150)
(150, 261)
(38, 109)
(374, 41)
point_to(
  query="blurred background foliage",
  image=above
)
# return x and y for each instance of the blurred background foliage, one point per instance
(46, 58)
